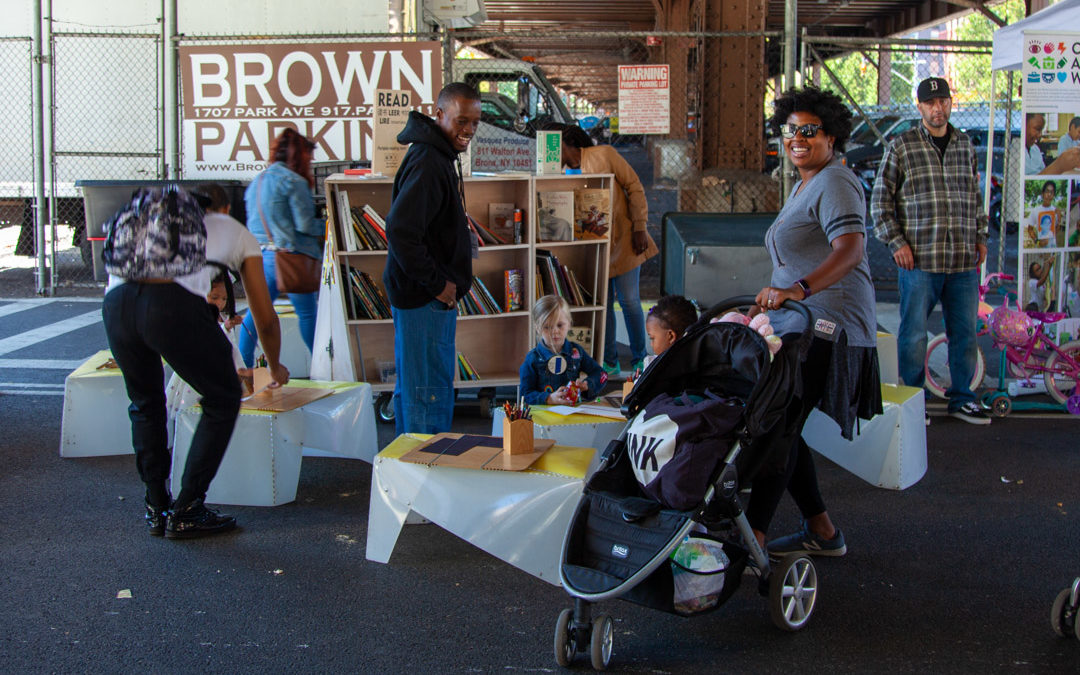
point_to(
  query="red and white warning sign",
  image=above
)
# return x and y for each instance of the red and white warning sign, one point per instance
(644, 99)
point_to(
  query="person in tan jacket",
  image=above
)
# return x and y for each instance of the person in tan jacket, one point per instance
(631, 244)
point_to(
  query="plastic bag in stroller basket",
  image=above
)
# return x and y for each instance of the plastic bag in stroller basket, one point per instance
(698, 569)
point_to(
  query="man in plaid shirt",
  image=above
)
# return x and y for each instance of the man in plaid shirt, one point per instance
(926, 208)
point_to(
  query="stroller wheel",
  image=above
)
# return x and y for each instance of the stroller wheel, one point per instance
(564, 639)
(793, 589)
(1063, 615)
(603, 638)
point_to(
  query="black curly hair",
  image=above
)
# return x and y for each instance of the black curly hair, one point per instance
(674, 312)
(835, 116)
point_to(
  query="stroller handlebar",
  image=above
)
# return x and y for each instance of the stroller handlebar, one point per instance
(720, 308)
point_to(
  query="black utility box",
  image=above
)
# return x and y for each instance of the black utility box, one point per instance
(709, 257)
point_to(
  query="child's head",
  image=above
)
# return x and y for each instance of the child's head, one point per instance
(668, 320)
(218, 295)
(551, 316)
(1049, 191)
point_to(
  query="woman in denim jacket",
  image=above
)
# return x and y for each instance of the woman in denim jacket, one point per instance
(282, 196)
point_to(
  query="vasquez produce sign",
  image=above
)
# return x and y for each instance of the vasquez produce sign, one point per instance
(238, 97)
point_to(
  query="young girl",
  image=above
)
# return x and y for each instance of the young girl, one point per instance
(667, 322)
(555, 362)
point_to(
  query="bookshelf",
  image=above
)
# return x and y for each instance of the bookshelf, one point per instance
(494, 344)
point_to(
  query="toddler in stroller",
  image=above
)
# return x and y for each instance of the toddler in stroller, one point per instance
(659, 492)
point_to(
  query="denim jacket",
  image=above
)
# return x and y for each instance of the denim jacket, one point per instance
(537, 382)
(289, 209)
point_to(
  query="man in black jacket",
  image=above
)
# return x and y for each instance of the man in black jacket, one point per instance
(429, 267)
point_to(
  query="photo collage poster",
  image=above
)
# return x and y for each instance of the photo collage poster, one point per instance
(1049, 236)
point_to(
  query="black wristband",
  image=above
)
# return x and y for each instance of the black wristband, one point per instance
(801, 283)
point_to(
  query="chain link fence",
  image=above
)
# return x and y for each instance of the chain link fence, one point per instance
(16, 160)
(879, 79)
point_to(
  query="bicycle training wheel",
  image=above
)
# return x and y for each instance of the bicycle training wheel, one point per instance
(1063, 371)
(938, 379)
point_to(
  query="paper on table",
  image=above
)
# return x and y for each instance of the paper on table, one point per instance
(598, 410)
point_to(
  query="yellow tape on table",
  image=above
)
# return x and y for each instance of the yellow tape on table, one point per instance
(897, 394)
(89, 368)
(561, 459)
(550, 419)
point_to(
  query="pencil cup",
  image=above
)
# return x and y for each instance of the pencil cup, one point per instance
(517, 436)
(627, 387)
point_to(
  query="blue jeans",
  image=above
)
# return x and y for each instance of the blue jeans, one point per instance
(627, 286)
(305, 305)
(145, 323)
(425, 359)
(959, 295)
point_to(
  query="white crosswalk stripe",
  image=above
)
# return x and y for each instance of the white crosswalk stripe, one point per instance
(42, 364)
(32, 337)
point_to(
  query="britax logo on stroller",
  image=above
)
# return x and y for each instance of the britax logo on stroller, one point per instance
(660, 523)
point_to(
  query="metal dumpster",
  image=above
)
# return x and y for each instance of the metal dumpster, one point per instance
(708, 257)
(103, 198)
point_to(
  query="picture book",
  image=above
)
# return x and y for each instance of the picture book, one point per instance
(555, 216)
(592, 213)
(513, 290)
(548, 153)
(501, 221)
(581, 335)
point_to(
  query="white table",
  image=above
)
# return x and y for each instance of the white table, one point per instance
(95, 420)
(262, 464)
(294, 353)
(519, 517)
(579, 430)
(889, 450)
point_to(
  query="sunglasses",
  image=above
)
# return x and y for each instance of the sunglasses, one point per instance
(807, 130)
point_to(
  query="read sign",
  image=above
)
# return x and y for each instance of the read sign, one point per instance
(238, 97)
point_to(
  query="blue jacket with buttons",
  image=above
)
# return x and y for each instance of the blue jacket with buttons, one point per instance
(537, 382)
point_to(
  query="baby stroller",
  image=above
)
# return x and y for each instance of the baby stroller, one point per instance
(621, 538)
(1065, 612)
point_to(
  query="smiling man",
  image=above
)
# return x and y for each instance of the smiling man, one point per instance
(926, 208)
(429, 263)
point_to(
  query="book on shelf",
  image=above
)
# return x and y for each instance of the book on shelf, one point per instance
(513, 290)
(581, 335)
(466, 371)
(592, 216)
(486, 296)
(555, 216)
(478, 300)
(555, 276)
(347, 239)
(501, 221)
(548, 153)
(367, 299)
(374, 226)
(541, 291)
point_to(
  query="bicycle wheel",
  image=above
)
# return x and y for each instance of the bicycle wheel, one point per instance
(938, 380)
(1061, 375)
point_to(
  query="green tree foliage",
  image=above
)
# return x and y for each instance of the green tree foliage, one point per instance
(972, 71)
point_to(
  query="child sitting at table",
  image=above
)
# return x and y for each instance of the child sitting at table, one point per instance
(668, 320)
(556, 362)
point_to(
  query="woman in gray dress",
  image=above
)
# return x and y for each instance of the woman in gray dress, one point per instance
(817, 245)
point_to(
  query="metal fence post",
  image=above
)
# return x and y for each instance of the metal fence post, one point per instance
(39, 154)
(171, 112)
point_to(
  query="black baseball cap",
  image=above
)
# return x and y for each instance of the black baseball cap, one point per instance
(933, 87)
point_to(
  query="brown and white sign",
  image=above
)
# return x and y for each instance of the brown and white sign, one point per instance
(392, 108)
(238, 97)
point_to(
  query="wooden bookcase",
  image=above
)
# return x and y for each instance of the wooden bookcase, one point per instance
(495, 344)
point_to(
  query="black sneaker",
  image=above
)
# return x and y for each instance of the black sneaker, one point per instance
(971, 413)
(195, 520)
(155, 520)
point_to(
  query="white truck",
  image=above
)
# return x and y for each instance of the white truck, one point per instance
(237, 91)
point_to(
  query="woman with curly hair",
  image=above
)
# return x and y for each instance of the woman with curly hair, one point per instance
(817, 245)
(281, 198)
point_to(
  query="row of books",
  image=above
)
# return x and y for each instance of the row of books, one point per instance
(366, 298)
(466, 371)
(554, 278)
(478, 300)
(365, 229)
(566, 215)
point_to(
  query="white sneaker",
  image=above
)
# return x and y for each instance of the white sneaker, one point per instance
(971, 413)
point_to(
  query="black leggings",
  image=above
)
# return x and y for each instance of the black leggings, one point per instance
(800, 476)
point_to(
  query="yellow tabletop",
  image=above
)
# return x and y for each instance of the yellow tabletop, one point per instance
(89, 368)
(561, 459)
(542, 417)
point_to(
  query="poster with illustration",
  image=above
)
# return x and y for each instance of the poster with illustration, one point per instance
(1049, 255)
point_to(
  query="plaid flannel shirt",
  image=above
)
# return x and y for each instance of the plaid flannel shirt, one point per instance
(930, 203)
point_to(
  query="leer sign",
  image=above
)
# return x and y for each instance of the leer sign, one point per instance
(238, 97)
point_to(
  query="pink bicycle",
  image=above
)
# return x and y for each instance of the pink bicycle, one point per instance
(937, 380)
(1027, 350)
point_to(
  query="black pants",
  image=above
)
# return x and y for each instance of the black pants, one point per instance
(144, 324)
(800, 477)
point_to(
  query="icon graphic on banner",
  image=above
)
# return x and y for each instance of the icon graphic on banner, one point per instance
(1048, 47)
(1034, 62)
(1033, 48)
(1033, 78)
(1062, 76)
(1048, 78)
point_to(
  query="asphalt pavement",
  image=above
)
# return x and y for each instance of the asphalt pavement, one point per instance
(956, 574)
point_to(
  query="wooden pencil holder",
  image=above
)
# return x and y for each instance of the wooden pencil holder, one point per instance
(517, 436)
(627, 387)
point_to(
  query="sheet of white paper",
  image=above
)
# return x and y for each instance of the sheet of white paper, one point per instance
(599, 410)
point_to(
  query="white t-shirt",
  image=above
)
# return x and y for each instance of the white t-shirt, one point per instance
(227, 242)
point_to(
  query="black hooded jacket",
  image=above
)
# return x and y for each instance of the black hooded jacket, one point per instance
(430, 241)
